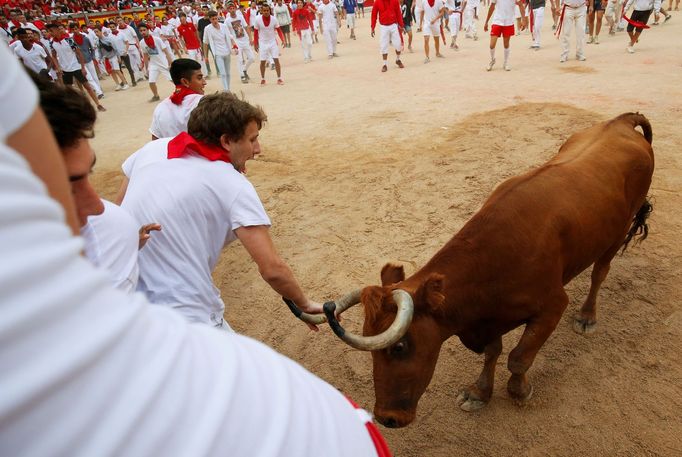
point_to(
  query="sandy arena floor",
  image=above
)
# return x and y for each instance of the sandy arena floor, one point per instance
(360, 168)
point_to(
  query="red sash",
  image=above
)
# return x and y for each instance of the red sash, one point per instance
(636, 24)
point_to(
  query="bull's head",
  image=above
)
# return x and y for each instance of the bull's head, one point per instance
(401, 329)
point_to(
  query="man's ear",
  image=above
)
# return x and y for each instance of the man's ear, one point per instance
(225, 142)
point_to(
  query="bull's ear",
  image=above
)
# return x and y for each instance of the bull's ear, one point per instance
(391, 274)
(430, 293)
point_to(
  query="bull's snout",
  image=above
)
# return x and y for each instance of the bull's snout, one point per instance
(394, 419)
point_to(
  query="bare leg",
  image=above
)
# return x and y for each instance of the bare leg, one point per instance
(426, 47)
(155, 91)
(262, 69)
(278, 68)
(534, 336)
(436, 45)
(478, 395)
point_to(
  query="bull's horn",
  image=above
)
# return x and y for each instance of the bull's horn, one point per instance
(390, 336)
(342, 304)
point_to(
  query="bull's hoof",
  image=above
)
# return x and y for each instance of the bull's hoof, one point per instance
(522, 400)
(584, 326)
(469, 401)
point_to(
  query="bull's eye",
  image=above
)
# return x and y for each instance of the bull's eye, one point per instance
(399, 348)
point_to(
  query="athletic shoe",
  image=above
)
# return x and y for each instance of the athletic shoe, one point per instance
(118, 88)
(490, 65)
(399, 63)
(155, 98)
(441, 56)
(630, 49)
(590, 40)
(581, 58)
(280, 82)
(100, 96)
(244, 80)
(507, 67)
(427, 60)
(134, 84)
(335, 55)
(384, 69)
(562, 60)
(125, 86)
(596, 39)
(330, 56)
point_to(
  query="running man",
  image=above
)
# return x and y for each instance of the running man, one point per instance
(156, 57)
(266, 29)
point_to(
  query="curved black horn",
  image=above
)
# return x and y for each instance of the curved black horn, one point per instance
(342, 304)
(390, 336)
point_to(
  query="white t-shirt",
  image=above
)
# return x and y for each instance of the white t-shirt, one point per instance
(266, 35)
(168, 30)
(431, 12)
(118, 42)
(327, 13)
(111, 243)
(34, 58)
(129, 34)
(68, 61)
(504, 14)
(199, 204)
(174, 22)
(170, 119)
(219, 39)
(157, 56)
(238, 26)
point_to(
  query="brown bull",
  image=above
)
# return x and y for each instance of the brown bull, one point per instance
(507, 267)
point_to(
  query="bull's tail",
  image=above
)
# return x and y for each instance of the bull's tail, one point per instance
(639, 227)
(637, 119)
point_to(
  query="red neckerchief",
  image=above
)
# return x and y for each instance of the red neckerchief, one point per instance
(59, 40)
(115, 32)
(180, 93)
(431, 3)
(16, 23)
(184, 144)
(149, 41)
(78, 38)
(266, 20)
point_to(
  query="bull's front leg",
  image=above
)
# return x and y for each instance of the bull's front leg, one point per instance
(477, 396)
(535, 334)
(586, 321)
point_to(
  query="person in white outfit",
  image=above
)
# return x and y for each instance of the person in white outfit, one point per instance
(266, 29)
(157, 59)
(573, 18)
(330, 24)
(470, 18)
(241, 34)
(218, 37)
(134, 52)
(455, 10)
(429, 22)
(537, 16)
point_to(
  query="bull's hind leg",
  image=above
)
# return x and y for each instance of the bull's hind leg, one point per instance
(477, 396)
(535, 334)
(586, 321)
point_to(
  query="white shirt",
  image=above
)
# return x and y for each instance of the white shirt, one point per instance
(219, 39)
(118, 41)
(266, 35)
(33, 58)
(129, 34)
(504, 14)
(170, 119)
(174, 22)
(168, 30)
(111, 243)
(327, 13)
(66, 56)
(644, 5)
(431, 12)
(199, 204)
(237, 26)
(157, 55)
(282, 14)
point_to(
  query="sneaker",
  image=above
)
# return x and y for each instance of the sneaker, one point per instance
(384, 69)
(534, 46)
(507, 67)
(155, 98)
(280, 81)
(667, 18)
(441, 56)
(596, 39)
(118, 88)
(456, 48)
(452, 45)
(101, 108)
(409, 48)
(262, 82)
(590, 40)
(330, 56)
(562, 60)
(125, 86)
(490, 65)
(100, 96)
(630, 49)
(134, 84)
(399, 63)
(244, 80)
(427, 60)
(581, 58)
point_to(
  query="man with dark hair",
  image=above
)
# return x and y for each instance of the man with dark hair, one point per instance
(69, 61)
(32, 55)
(193, 184)
(156, 58)
(111, 235)
(171, 115)
(88, 51)
(220, 41)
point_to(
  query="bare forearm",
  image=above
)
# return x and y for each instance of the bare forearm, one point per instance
(282, 280)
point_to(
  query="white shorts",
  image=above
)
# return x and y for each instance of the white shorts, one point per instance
(113, 61)
(155, 71)
(350, 20)
(431, 30)
(268, 51)
(389, 35)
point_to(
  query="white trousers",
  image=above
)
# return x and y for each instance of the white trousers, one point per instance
(613, 13)
(135, 61)
(93, 80)
(389, 35)
(455, 22)
(245, 58)
(307, 44)
(195, 54)
(469, 22)
(222, 63)
(330, 34)
(538, 18)
(574, 19)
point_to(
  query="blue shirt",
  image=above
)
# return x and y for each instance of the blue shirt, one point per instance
(350, 5)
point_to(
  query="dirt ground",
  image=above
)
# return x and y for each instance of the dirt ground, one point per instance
(360, 168)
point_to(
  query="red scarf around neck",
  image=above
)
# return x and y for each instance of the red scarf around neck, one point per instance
(78, 38)
(61, 38)
(266, 21)
(149, 41)
(184, 144)
(431, 3)
(180, 93)
(115, 32)
(122, 26)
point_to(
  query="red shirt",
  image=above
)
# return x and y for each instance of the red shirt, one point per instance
(300, 19)
(189, 33)
(388, 11)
